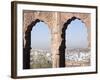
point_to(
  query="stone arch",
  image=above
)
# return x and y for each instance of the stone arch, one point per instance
(62, 47)
(52, 19)
(27, 46)
(84, 17)
(55, 21)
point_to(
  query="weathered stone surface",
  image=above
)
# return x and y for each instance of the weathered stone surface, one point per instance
(55, 22)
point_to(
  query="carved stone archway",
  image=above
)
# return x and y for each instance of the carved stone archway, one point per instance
(27, 46)
(55, 22)
(84, 17)
(62, 47)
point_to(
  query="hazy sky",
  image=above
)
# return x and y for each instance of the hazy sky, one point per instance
(76, 35)
(40, 36)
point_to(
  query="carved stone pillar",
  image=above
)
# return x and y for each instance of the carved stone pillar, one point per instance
(56, 40)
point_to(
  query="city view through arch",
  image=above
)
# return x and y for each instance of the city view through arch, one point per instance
(77, 51)
(40, 44)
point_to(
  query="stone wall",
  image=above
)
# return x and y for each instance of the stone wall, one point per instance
(55, 22)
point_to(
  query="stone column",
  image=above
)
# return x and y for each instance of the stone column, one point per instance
(56, 39)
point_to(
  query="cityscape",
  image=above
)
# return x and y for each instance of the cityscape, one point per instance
(74, 58)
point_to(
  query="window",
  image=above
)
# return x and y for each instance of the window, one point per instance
(77, 51)
(40, 56)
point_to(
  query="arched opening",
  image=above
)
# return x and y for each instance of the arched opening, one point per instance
(69, 42)
(77, 50)
(40, 55)
(37, 47)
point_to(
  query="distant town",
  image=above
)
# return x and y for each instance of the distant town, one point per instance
(74, 57)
